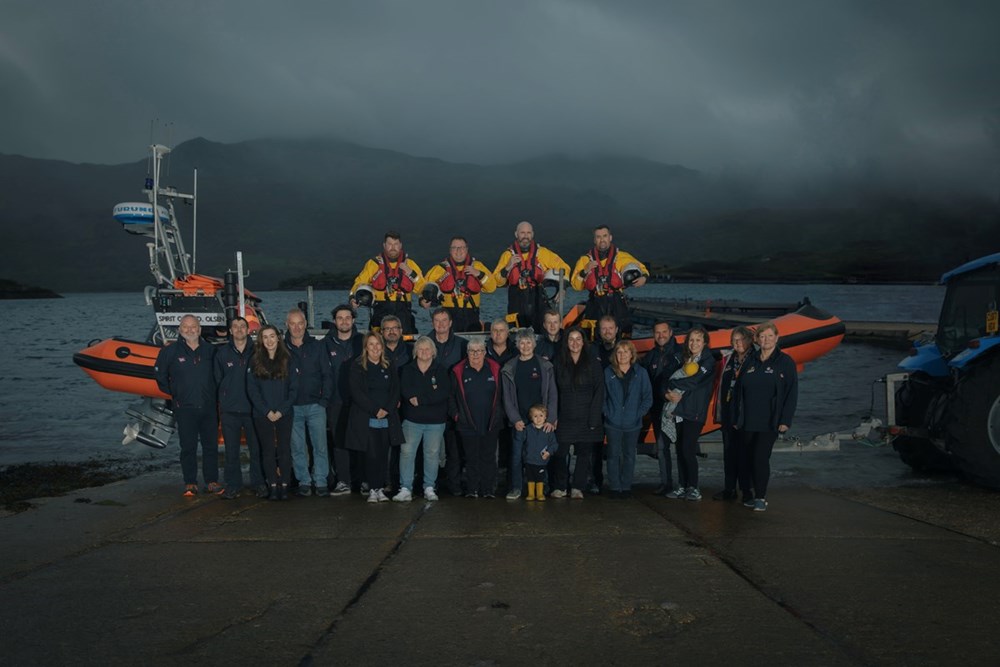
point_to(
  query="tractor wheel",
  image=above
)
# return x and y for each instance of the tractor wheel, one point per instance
(921, 455)
(973, 422)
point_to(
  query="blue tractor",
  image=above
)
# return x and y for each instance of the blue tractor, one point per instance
(944, 407)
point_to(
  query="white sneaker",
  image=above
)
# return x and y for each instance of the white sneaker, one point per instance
(429, 494)
(558, 493)
(372, 496)
(380, 496)
(513, 494)
(404, 496)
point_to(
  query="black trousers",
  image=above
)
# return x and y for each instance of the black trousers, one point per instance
(452, 462)
(614, 304)
(687, 453)
(275, 448)
(596, 463)
(465, 319)
(377, 457)
(480, 462)
(529, 304)
(758, 446)
(735, 462)
(194, 424)
(234, 423)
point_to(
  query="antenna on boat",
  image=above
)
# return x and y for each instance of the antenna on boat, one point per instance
(194, 232)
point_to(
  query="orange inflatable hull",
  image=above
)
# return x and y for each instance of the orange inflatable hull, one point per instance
(122, 365)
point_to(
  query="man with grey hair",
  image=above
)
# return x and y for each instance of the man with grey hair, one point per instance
(185, 370)
(527, 380)
(475, 406)
(315, 391)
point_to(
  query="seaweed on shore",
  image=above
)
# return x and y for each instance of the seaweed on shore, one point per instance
(20, 483)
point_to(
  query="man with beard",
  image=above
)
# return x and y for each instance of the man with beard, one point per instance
(605, 272)
(661, 362)
(607, 336)
(393, 278)
(185, 370)
(397, 350)
(522, 269)
(460, 278)
(343, 344)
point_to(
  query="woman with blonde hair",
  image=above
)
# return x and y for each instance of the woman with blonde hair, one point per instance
(628, 395)
(691, 395)
(373, 424)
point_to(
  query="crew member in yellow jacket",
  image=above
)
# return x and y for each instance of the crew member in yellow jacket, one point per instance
(393, 279)
(456, 283)
(522, 268)
(605, 272)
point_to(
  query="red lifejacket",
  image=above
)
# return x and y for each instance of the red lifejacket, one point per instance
(604, 279)
(528, 272)
(391, 280)
(457, 282)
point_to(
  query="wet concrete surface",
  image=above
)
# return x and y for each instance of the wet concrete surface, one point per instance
(856, 561)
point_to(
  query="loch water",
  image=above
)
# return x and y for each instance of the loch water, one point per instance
(50, 410)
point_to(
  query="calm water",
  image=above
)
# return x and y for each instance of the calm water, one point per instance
(51, 410)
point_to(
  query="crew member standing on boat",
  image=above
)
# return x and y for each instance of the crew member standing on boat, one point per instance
(313, 395)
(393, 278)
(232, 361)
(460, 279)
(185, 370)
(605, 272)
(522, 267)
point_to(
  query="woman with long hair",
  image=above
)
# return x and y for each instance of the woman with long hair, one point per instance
(373, 425)
(628, 396)
(734, 467)
(580, 384)
(271, 387)
(690, 395)
(768, 393)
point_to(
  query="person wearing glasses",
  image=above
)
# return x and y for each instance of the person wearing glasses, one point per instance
(397, 350)
(459, 279)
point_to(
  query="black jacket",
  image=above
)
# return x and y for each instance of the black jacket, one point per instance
(775, 385)
(314, 375)
(660, 363)
(187, 375)
(451, 351)
(340, 354)
(364, 406)
(231, 377)
(459, 405)
(431, 389)
(580, 405)
(697, 389)
(268, 394)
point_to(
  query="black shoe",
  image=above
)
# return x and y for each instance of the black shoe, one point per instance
(283, 492)
(262, 491)
(275, 493)
(725, 495)
(230, 494)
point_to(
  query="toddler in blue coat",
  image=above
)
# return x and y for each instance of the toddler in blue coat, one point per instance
(538, 447)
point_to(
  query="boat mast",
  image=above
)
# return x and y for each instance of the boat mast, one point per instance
(168, 242)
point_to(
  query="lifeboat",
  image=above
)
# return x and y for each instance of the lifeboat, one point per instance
(805, 334)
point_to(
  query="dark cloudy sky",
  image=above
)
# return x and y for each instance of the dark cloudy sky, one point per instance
(793, 86)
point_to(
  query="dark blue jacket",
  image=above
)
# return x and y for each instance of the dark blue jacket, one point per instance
(535, 441)
(697, 390)
(451, 351)
(431, 389)
(340, 354)
(268, 394)
(314, 375)
(660, 363)
(187, 375)
(548, 349)
(459, 405)
(626, 399)
(774, 386)
(231, 377)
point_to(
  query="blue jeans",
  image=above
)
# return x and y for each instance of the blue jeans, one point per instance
(621, 458)
(432, 436)
(517, 458)
(312, 417)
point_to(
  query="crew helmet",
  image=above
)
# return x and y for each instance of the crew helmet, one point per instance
(631, 273)
(364, 296)
(432, 294)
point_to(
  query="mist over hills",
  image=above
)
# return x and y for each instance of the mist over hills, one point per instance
(303, 207)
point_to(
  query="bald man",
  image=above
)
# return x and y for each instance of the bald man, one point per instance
(522, 269)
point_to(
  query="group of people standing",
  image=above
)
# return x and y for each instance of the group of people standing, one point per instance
(352, 412)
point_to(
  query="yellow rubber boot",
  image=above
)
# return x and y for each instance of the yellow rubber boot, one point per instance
(531, 491)
(540, 491)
